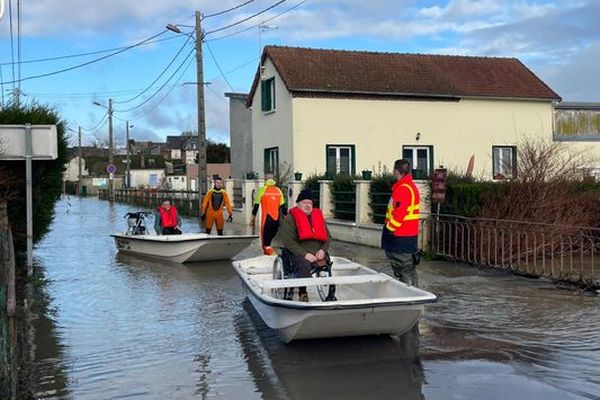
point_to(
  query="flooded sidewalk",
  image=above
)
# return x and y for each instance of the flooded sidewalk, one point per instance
(121, 327)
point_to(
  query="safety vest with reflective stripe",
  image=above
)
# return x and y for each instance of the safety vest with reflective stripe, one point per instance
(402, 216)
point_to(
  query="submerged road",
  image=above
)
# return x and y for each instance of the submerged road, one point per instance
(114, 327)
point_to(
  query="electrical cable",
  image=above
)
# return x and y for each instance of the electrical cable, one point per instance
(147, 99)
(228, 10)
(245, 19)
(12, 46)
(159, 75)
(219, 67)
(153, 107)
(258, 24)
(89, 62)
(90, 53)
(98, 125)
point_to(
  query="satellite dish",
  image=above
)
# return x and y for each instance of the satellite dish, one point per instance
(1, 8)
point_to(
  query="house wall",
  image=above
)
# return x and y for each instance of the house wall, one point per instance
(141, 177)
(72, 169)
(379, 129)
(271, 129)
(240, 132)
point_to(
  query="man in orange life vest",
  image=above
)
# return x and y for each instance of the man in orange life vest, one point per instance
(271, 201)
(304, 234)
(166, 220)
(212, 207)
(401, 230)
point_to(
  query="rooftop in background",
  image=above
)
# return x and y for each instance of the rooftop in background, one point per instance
(241, 96)
(316, 71)
(578, 105)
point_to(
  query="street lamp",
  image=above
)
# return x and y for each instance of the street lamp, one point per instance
(128, 175)
(202, 184)
(111, 183)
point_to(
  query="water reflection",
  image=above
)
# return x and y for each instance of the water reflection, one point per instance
(122, 326)
(378, 367)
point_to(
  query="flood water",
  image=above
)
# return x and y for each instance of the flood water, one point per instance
(119, 327)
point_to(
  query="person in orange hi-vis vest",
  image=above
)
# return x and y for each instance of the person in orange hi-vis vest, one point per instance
(401, 229)
(271, 201)
(212, 208)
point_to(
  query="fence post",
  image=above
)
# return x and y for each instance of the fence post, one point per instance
(362, 201)
(229, 188)
(325, 198)
(294, 189)
(248, 190)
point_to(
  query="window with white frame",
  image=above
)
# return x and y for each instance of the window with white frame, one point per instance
(504, 162)
(421, 160)
(271, 158)
(340, 159)
(267, 87)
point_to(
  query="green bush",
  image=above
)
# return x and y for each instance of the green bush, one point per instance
(47, 175)
(343, 196)
(379, 195)
(312, 183)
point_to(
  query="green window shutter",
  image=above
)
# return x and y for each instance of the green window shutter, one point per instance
(266, 166)
(272, 93)
(353, 166)
(264, 89)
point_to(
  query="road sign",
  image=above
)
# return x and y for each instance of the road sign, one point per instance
(438, 194)
(111, 168)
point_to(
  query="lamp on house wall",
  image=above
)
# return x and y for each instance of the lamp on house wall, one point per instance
(418, 136)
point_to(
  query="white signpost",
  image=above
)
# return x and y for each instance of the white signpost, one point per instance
(28, 142)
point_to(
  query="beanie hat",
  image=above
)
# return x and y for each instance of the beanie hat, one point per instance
(305, 194)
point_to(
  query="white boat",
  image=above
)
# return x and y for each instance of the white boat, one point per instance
(187, 247)
(367, 302)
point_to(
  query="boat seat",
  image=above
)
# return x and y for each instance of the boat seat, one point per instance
(336, 280)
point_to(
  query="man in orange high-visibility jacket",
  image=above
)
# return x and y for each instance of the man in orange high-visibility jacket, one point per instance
(212, 207)
(401, 230)
(271, 201)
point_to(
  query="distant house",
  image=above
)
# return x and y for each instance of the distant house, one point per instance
(184, 147)
(71, 173)
(346, 111)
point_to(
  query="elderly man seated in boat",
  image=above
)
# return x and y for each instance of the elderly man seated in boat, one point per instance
(305, 237)
(166, 220)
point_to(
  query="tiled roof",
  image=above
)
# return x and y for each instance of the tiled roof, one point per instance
(305, 70)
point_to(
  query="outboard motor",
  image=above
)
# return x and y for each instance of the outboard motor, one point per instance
(135, 222)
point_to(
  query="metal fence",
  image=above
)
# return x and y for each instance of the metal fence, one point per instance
(560, 252)
(186, 201)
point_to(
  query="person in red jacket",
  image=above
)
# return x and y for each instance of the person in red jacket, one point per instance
(401, 229)
(305, 236)
(166, 220)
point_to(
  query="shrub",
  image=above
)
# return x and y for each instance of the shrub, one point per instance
(379, 195)
(47, 175)
(343, 193)
(312, 183)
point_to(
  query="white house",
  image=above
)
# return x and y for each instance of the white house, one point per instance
(347, 111)
(72, 169)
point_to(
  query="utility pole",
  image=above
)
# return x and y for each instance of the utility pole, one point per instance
(202, 185)
(79, 181)
(111, 181)
(127, 175)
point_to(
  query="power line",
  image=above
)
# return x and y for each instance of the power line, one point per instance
(162, 86)
(90, 53)
(219, 67)
(88, 62)
(98, 125)
(159, 75)
(12, 46)
(246, 19)
(228, 10)
(148, 111)
(258, 24)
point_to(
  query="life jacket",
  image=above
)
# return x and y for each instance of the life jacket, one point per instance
(403, 220)
(307, 230)
(168, 219)
(270, 201)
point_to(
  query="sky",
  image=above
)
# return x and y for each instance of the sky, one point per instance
(153, 84)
